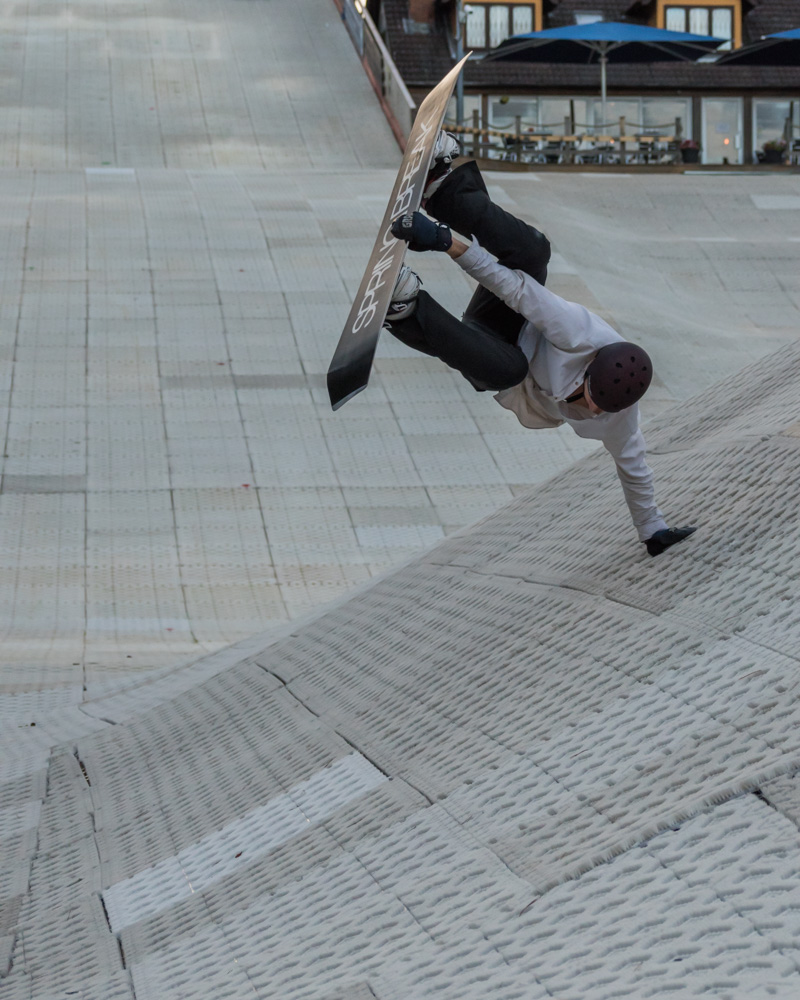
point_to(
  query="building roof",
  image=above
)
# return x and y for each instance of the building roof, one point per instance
(564, 11)
(769, 16)
(424, 59)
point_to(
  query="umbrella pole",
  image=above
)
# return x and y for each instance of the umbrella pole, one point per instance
(603, 62)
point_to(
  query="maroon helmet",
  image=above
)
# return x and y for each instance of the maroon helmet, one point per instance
(619, 376)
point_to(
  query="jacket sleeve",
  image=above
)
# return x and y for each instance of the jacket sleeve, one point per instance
(629, 453)
(567, 325)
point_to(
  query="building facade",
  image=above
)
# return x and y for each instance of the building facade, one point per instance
(729, 110)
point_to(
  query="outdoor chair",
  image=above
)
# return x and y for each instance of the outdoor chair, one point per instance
(598, 149)
(534, 150)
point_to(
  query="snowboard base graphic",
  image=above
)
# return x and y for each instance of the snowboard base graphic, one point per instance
(350, 368)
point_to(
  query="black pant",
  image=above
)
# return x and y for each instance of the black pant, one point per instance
(482, 346)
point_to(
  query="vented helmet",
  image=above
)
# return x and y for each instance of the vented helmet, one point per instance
(619, 376)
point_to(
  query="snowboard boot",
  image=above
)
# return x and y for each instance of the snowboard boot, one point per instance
(446, 149)
(404, 296)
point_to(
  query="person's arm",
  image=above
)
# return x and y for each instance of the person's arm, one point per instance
(567, 325)
(457, 248)
(628, 449)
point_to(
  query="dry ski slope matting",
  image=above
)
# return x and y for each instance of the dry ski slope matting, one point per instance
(532, 763)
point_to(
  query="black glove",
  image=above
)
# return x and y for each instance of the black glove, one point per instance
(421, 233)
(662, 540)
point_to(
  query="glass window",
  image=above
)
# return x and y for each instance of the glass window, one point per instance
(614, 110)
(698, 21)
(769, 120)
(503, 112)
(722, 26)
(553, 111)
(676, 19)
(476, 26)
(489, 24)
(588, 17)
(472, 102)
(659, 113)
(498, 24)
(548, 114)
(716, 21)
(521, 20)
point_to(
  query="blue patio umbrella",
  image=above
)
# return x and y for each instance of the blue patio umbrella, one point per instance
(603, 42)
(780, 49)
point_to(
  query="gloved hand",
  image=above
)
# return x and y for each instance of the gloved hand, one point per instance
(662, 540)
(421, 233)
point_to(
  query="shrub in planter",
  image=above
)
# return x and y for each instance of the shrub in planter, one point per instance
(690, 151)
(774, 151)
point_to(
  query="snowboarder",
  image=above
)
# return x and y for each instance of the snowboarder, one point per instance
(550, 361)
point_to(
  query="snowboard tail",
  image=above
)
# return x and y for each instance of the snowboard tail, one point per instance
(351, 365)
(351, 378)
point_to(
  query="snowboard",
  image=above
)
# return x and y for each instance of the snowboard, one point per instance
(350, 367)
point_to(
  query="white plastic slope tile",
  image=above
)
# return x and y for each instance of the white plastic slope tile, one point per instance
(284, 866)
(17, 819)
(784, 794)
(346, 921)
(68, 945)
(609, 757)
(693, 913)
(23, 751)
(718, 413)
(210, 974)
(186, 758)
(241, 842)
(660, 920)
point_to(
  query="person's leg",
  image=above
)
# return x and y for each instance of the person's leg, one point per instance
(463, 203)
(486, 360)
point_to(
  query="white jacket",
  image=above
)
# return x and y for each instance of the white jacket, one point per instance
(560, 339)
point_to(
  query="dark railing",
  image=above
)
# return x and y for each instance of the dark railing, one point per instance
(379, 64)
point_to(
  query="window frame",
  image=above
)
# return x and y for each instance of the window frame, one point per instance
(532, 5)
(734, 8)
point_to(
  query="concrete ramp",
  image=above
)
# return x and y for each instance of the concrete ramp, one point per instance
(532, 763)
